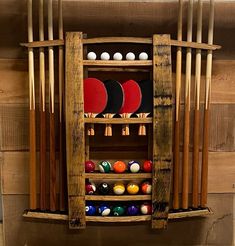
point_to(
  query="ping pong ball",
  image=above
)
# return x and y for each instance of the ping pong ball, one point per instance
(130, 56)
(91, 56)
(117, 56)
(105, 56)
(143, 56)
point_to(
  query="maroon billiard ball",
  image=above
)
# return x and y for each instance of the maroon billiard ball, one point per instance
(89, 166)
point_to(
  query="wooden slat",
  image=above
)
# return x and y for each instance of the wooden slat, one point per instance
(135, 40)
(127, 176)
(45, 43)
(75, 137)
(118, 120)
(162, 129)
(194, 45)
(118, 198)
(117, 63)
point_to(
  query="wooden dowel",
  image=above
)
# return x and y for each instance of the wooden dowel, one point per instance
(62, 165)
(177, 112)
(185, 182)
(52, 112)
(42, 108)
(32, 118)
(204, 177)
(196, 133)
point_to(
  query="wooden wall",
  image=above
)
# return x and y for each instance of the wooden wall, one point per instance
(137, 18)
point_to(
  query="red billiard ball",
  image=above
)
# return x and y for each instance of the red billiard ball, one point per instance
(147, 166)
(90, 188)
(89, 166)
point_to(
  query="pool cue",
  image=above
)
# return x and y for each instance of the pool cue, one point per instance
(177, 112)
(42, 108)
(204, 177)
(32, 117)
(52, 111)
(196, 132)
(185, 181)
(61, 110)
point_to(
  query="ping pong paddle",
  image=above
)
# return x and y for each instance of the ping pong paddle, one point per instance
(115, 102)
(132, 101)
(146, 105)
(95, 100)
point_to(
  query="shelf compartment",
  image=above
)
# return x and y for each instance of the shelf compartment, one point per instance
(119, 121)
(123, 176)
(118, 198)
(117, 63)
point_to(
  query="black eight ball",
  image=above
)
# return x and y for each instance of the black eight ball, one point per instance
(104, 188)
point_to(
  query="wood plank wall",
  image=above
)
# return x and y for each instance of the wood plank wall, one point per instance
(144, 19)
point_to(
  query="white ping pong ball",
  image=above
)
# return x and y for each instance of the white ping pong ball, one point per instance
(105, 56)
(91, 56)
(130, 56)
(117, 56)
(143, 56)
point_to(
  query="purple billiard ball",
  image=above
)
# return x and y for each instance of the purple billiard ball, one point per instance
(132, 210)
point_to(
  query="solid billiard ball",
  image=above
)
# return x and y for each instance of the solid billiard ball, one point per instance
(119, 188)
(91, 56)
(132, 210)
(89, 166)
(105, 167)
(104, 188)
(146, 208)
(147, 166)
(130, 56)
(146, 187)
(104, 210)
(90, 188)
(118, 210)
(117, 56)
(90, 209)
(132, 188)
(119, 167)
(133, 166)
(143, 56)
(105, 56)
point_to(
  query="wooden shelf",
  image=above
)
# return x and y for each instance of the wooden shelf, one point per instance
(64, 217)
(118, 198)
(123, 176)
(117, 63)
(119, 120)
(111, 219)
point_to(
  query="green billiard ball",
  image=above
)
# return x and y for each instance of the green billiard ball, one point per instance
(118, 211)
(105, 167)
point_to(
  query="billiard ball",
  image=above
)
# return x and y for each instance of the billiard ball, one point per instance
(90, 209)
(146, 187)
(105, 56)
(118, 210)
(89, 166)
(147, 166)
(105, 167)
(132, 188)
(130, 56)
(132, 210)
(117, 56)
(119, 188)
(104, 210)
(133, 166)
(91, 56)
(119, 167)
(146, 208)
(104, 188)
(143, 56)
(90, 188)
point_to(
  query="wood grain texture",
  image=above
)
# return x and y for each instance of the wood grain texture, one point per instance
(162, 130)
(75, 137)
(118, 198)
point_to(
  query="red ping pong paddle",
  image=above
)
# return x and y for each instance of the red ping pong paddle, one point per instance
(95, 99)
(132, 101)
(146, 106)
